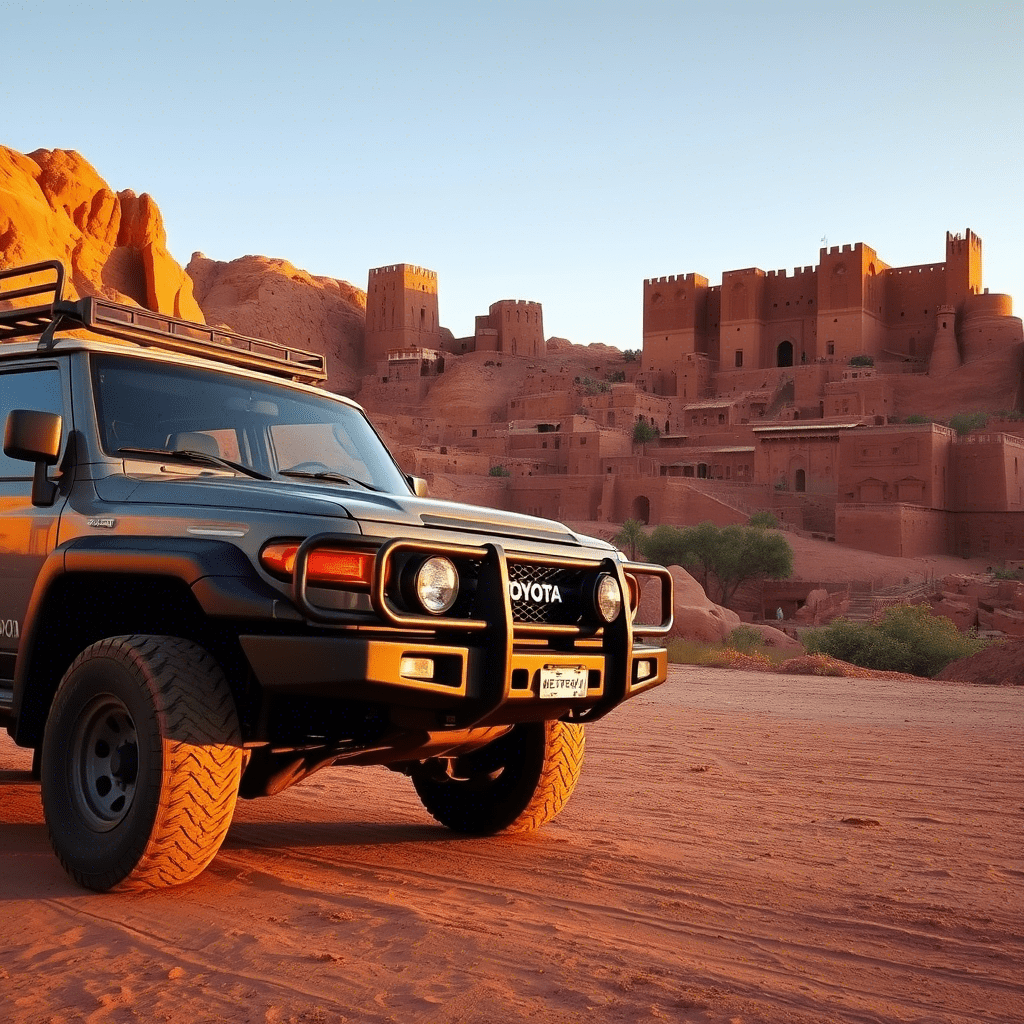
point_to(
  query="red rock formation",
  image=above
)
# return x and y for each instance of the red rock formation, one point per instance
(53, 205)
(268, 298)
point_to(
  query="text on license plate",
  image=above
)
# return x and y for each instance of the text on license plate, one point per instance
(563, 681)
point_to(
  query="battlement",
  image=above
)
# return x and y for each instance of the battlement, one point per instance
(846, 250)
(406, 268)
(797, 272)
(961, 244)
(677, 279)
(521, 303)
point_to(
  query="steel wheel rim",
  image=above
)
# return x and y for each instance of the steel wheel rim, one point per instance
(104, 763)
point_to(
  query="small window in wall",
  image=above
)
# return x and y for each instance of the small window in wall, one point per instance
(830, 347)
(739, 357)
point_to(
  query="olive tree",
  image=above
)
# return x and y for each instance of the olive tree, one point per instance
(722, 559)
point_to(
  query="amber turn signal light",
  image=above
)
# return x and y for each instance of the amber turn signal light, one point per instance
(326, 566)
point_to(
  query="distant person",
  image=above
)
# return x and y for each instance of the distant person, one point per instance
(778, 613)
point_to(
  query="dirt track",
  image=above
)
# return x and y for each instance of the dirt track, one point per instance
(742, 848)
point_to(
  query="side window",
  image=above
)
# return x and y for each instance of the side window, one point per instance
(27, 389)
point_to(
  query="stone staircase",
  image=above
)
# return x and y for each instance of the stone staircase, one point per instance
(862, 603)
(866, 602)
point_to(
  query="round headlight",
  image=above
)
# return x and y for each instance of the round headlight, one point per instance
(608, 597)
(437, 585)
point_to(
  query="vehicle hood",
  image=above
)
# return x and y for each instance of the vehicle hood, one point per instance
(237, 496)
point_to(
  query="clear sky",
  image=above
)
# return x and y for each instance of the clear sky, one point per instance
(558, 152)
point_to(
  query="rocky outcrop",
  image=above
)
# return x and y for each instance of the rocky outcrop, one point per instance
(696, 616)
(53, 205)
(270, 298)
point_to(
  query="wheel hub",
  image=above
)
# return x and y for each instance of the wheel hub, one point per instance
(105, 763)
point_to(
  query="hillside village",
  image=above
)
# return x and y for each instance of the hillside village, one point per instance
(814, 394)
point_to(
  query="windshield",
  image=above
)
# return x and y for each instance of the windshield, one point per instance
(152, 407)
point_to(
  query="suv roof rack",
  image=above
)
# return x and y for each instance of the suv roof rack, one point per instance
(142, 326)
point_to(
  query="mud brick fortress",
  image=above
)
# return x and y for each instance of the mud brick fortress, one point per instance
(813, 394)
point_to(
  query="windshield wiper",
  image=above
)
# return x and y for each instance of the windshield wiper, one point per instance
(193, 456)
(327, 474)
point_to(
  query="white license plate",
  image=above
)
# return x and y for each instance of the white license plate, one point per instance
(563, 681)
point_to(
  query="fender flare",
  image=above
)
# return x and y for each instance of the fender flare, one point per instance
(219, 575)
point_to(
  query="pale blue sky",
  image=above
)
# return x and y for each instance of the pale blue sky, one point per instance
(559, 152)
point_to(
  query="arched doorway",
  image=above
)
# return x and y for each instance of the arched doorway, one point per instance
(642, 509)
(799, 480)
(784, 354)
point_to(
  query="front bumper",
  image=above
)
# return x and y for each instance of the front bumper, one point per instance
(484, 666)
(464, 690)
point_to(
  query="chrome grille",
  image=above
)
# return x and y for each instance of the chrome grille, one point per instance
(531, 602)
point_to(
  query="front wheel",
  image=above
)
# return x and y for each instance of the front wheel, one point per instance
(141, 763)
(516, 783)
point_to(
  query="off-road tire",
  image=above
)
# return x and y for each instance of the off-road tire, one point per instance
(516, 783)
(141, 763)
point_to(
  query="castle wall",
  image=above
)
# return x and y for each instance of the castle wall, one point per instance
(995, 535)
(988, 470)
(907, 531)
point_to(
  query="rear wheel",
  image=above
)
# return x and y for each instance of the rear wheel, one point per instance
(141, 762)
(516, 783)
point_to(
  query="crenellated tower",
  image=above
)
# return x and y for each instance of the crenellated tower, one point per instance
(401, 310)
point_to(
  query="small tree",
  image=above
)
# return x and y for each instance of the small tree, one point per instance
(644, 432)
(499, 471)
(722, 559)
(630, 538)
(862, 360)
(631, 355)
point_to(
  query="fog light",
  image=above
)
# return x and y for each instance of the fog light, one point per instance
(608, 597)
(644, 669)
(417, 668)
(437, 585)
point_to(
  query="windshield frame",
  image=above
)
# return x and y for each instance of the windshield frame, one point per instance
(250, 406)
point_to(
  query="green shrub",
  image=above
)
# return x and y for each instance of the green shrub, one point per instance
(763, 521)
(499, 471)
(907, 638)
(965, 422)
(862, 360)
(917, 418)
(744, 639)
(644, 432)
(1008, 574)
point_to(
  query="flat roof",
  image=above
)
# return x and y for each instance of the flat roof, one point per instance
(805, 427)
(724, 450)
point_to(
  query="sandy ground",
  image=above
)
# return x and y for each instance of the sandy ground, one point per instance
(741, 849)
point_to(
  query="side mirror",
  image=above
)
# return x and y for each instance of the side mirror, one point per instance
(418, 485)
(35, 437)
